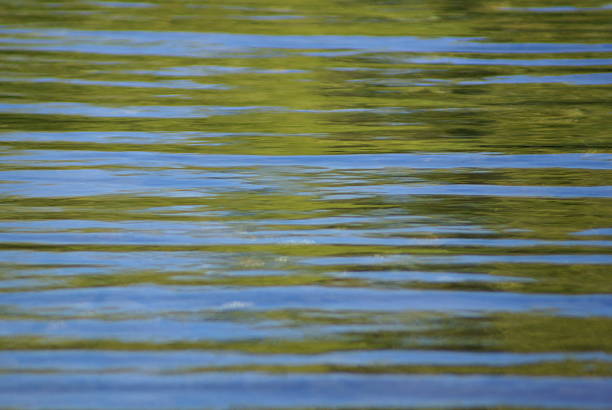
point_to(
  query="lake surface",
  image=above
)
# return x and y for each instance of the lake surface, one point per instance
(305, 204)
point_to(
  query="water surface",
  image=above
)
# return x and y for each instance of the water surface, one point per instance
(298, 204)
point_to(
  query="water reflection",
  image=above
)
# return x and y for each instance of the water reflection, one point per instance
(305, 204)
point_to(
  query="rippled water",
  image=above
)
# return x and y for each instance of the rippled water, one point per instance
(305, 204)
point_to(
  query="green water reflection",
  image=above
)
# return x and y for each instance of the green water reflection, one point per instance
(305, 189)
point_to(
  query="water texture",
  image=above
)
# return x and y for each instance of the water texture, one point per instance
(305, 204)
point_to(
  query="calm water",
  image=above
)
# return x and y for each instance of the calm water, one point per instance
(305, 203)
